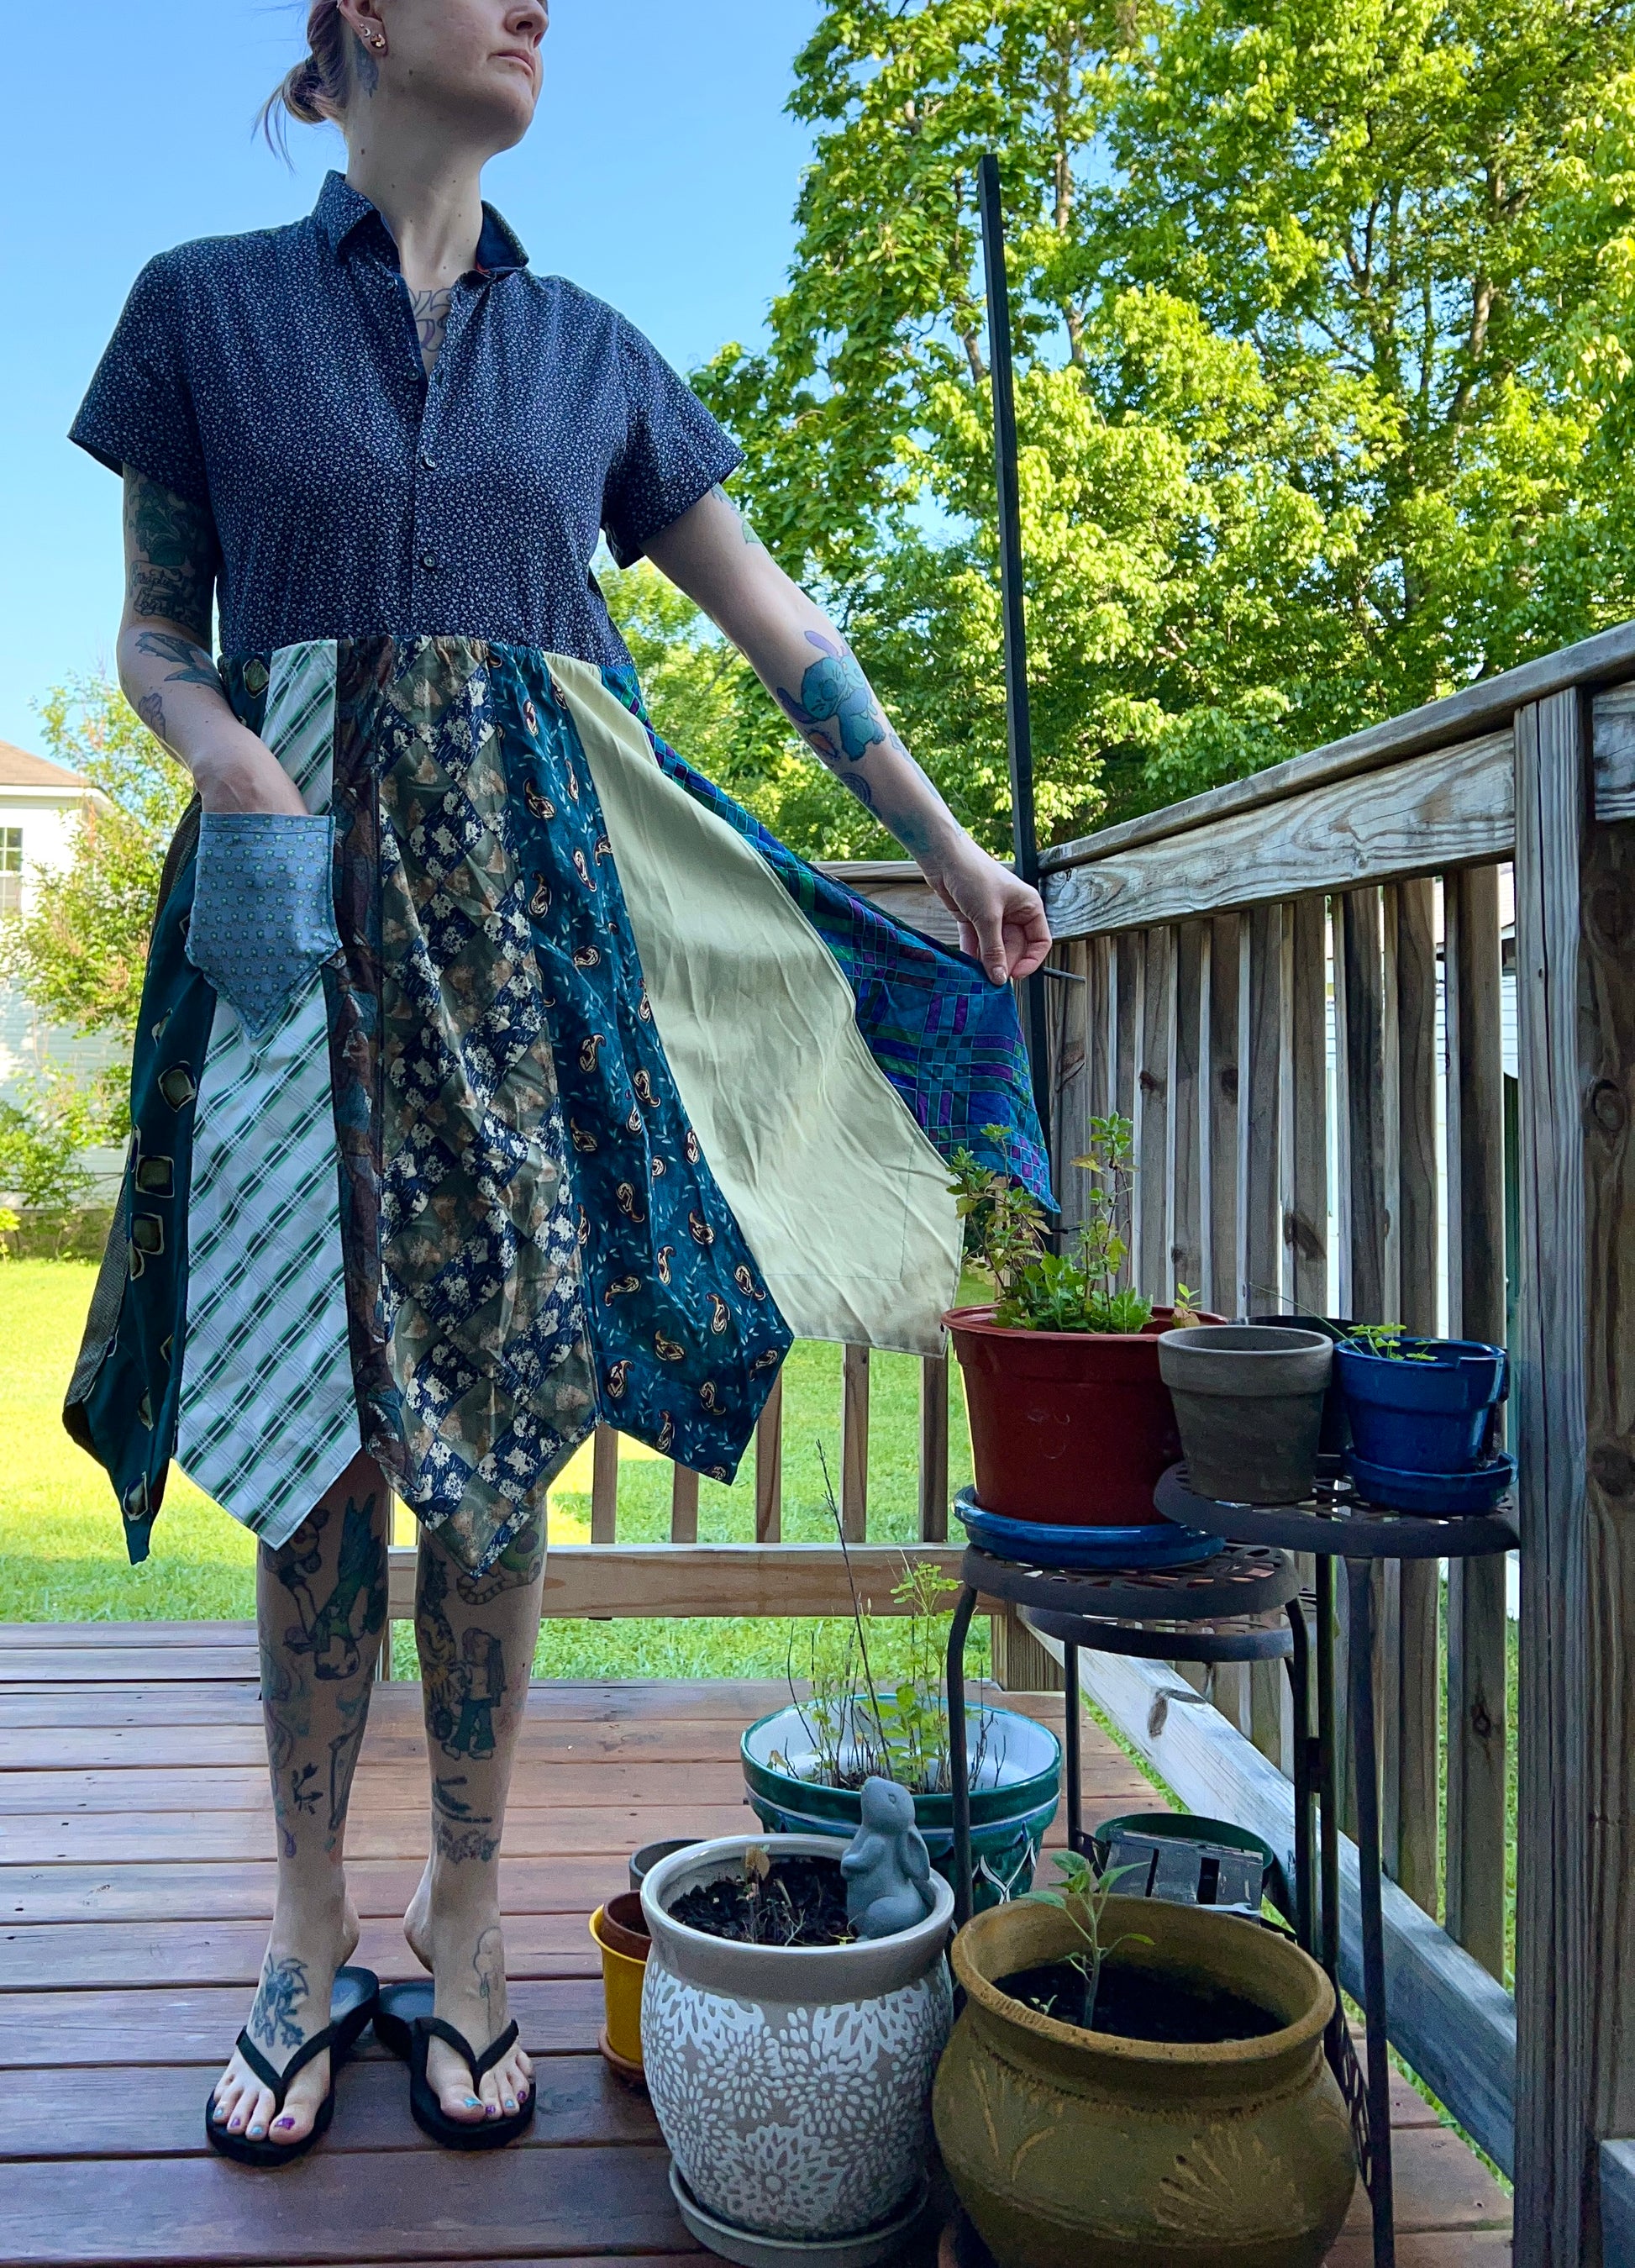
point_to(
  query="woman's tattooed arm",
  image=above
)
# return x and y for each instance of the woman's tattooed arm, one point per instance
(821, 686)
(171, 562)
(171, 557)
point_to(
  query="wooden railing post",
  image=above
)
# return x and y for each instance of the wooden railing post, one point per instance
(1575, 1391)
(1476, 1631)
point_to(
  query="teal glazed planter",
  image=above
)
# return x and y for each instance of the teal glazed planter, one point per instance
(1017, 1786)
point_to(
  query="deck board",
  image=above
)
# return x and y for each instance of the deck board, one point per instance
(134, 1894)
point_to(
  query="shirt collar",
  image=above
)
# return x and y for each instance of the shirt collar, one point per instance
(341, 211)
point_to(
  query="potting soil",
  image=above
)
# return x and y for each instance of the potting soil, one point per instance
(1138, 2004)
(799, 1901)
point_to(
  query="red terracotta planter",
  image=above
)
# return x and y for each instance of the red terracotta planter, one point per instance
(1073, 1427)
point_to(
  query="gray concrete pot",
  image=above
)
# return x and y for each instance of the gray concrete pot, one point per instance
(1248, 1401)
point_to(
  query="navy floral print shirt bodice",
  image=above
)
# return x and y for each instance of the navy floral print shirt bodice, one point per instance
(276, 379)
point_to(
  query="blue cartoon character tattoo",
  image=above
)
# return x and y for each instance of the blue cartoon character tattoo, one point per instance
(836, 710)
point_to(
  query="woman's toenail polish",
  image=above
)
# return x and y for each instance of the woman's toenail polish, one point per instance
(283, 2122)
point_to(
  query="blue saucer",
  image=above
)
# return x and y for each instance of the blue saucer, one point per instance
(1447, 1495)
(1043, 1544)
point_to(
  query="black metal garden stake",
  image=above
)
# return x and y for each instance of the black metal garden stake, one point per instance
(1024, 828)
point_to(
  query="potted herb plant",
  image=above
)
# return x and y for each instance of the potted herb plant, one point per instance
(1423, 1410)
(789, 2061)
(805, 1765)
(1132, 2081)
(1072, 1423)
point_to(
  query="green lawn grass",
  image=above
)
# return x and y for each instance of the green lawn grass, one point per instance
(62, 1553)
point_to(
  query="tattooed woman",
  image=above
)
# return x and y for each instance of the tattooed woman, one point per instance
(498, 1075)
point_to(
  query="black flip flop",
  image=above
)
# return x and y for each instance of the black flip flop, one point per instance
(429, 2114)
(351, 2006)
(395, 2010)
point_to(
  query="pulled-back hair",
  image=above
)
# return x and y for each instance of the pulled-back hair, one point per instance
(318, 87)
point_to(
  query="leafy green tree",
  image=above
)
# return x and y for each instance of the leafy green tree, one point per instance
(80, 948)
(1324, 326)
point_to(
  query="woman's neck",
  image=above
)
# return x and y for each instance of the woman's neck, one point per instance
(428, 195)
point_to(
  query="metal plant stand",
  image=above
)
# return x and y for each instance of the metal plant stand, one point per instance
(1331, 1524)
(1202, 1613)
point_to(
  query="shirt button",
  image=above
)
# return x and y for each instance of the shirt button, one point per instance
(425, 459)
(427, 560)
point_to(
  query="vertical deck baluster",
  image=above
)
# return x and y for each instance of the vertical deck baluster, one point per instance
(1359, 1002)
(934, 1385)
(1217, 1118)
(1475, 1305)
(1071, 1075)
(683, 1505)
(1304, 1118)
(1260, 1217)
(1100, 1016)
(1130, 965)
(1260, 1226)
(769, 1468)
(605, 1486)
(1152, 1270)
(1185, 1163)
(1411, 1800)
(1358, 999)
(854, 1444)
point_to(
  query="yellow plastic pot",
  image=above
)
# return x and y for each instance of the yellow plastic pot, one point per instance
(623, 1950)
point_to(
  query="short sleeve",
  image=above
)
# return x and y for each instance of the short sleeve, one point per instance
(139, 410)
(673, 451)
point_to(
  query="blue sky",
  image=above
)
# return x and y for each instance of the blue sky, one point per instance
(661, 173)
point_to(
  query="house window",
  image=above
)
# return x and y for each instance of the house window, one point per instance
(10, 869)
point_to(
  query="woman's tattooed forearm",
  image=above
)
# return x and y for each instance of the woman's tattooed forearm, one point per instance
(839, 715)
(837, 711)
(170, 556)
(196, 668)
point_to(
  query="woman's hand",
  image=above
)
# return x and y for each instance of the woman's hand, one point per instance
(234, 772)
(1002, 921)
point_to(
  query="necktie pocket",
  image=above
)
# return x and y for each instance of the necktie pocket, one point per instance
(263, 909)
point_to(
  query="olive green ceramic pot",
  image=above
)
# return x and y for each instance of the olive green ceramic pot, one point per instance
(1077, 2149)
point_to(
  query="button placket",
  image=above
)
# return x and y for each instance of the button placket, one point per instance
(423, 547)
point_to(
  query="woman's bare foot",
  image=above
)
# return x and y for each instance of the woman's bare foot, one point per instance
(292, 2002)
(457, 1936)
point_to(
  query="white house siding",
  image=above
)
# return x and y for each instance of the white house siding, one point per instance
(44, 814)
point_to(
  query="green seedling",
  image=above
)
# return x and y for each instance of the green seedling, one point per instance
(1083, 1897)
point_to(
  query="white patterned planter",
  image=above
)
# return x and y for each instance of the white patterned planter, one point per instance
(792, 2084)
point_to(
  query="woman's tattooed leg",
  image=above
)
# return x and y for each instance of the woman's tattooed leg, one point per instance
(476, 1636)
(320, 1605)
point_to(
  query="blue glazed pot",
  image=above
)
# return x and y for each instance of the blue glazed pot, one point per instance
(1014, 1797)
(1429, 1417)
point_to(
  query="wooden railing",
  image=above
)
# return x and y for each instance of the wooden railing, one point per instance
(1295, 988)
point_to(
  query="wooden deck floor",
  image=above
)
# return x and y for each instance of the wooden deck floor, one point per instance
(134, 1886)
